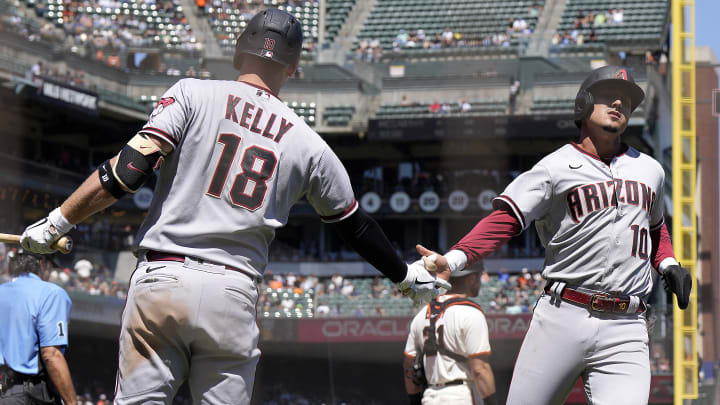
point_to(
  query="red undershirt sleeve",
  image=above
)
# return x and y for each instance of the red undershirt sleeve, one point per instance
(488, 235)
(661, 246)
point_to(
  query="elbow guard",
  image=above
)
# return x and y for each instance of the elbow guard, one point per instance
(135, 163)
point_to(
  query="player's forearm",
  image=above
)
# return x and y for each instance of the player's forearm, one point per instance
(488, 235)
(59, 373)
(87, 200)
(410, 387)
(483, 377)
(364, 235)
(661, 247)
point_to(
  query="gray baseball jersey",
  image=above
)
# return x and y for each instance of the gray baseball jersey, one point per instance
(593, 218)
(242, 158)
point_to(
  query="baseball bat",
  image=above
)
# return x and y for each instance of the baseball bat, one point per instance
(63, 245)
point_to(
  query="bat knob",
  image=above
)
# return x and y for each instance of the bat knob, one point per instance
(64, 245)
(429, 262)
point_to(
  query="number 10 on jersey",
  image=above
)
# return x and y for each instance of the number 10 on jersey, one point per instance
(250, 186)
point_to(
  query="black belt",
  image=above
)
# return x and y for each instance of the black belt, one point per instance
(453, 382)
(10, 378)
(597, 302)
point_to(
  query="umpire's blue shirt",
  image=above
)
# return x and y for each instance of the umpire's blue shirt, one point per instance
(33, 314)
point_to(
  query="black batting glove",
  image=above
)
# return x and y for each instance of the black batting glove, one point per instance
(678, 281)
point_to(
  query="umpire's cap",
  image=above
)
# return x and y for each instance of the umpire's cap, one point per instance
(271, 34)
(606, 76)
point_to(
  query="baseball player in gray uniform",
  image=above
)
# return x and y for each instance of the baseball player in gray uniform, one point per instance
(598, 209)
(232, 160)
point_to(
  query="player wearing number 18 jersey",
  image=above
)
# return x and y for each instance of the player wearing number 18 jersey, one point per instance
(232, 160)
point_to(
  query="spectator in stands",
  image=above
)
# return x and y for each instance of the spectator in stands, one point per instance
(201, 6)
(436, 42)
(36, 70)
(379, 310)
(593, 36)
(362, 48)
(464, 106)
(447, 37)
(291, 280)
(421, 36)
(377, 290)
(376, 50)
(435, 107)
(412, 40)
(514, 90)
(600, 19)
(309, 283)
(404, 100)
(323, 309)
(337, 280)
(347, 289)
(400, 40)
(617, 15)
(519, 25)
(535, 9)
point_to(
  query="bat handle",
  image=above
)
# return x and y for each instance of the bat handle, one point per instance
(64, 245)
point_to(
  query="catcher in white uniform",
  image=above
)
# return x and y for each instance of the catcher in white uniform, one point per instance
(232, 161)
(598, 209)
(448, 348)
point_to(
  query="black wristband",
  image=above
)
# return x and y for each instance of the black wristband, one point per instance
(415, 399)
(490, 400)
(108, 181)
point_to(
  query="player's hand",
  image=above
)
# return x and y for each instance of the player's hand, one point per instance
(678, 281)
(434, 262)
(42, 235)
(420, 285)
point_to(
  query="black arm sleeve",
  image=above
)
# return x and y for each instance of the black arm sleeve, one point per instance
(364, 235)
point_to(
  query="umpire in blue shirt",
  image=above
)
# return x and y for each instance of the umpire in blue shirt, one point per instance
(33, 336)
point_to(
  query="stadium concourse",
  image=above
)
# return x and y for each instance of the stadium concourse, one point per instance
(433, 106)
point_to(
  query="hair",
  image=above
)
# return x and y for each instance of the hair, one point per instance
(459, 284)
(24, 263)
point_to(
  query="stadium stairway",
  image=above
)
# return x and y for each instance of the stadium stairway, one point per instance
(201, 28)
(546, 27)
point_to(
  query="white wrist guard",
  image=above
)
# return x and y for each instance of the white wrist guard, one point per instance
(58, 220)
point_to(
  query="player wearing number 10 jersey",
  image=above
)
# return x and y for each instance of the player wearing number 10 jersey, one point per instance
(598, 207)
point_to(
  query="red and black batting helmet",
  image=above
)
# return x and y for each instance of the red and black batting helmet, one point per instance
(271, 34)
(606, 76)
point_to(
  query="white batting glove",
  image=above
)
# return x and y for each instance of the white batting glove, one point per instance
(421, 285)
(40, 236)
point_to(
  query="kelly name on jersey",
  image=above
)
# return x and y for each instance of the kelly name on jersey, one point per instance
(253, 118)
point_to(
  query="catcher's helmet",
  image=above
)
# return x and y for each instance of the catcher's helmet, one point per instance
(271, 34)
(605, 76)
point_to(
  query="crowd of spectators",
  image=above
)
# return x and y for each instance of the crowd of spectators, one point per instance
(75, 78)
(514, 294)
(90, 278)
(446, 108)
(371, 50)
(220, 12)
(103, 30)
(84, 276)
(588, 20)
